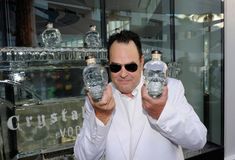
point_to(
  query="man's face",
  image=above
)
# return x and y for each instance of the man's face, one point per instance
(122, 54)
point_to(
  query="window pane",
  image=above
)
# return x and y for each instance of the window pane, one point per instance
(199, 53)
(147, 18)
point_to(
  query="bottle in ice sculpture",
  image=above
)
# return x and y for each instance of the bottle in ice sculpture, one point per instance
(155, 75)
(51, 37)
(92, 37)
(95, 78)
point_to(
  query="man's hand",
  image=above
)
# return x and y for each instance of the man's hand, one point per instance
(104, 108)
(154, 106)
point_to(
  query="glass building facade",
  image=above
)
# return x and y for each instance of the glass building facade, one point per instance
(188, 32)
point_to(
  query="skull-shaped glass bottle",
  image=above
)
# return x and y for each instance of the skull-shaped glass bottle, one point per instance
(92, 37)
(95, 78)
(51, 37)
(155, 75)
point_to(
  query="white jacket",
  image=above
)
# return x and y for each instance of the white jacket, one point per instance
(178, 126)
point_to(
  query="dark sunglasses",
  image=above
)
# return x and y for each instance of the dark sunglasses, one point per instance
(130, 67)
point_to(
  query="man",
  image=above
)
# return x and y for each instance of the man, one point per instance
(127, 124)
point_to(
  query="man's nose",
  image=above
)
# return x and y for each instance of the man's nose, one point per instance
(123, 72)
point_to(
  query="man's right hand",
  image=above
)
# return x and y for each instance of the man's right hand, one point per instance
(104, 107)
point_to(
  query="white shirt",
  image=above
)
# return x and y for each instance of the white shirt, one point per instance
(147, 138)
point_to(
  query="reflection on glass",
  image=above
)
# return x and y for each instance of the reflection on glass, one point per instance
(20, 55)
(173, 69)
(198, 43)
(49, 72)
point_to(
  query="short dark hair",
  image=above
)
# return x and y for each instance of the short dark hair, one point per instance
(92, 25)
(125, 36)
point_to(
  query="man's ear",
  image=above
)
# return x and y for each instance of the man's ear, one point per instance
(142, 61)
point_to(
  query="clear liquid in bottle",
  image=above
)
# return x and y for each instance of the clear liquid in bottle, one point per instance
(51, 37)
(95, 78)
(92, 37)
(155, 75)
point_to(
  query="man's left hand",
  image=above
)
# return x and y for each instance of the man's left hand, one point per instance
(154, 106)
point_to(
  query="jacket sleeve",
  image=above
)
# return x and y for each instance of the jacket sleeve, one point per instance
(179, 122)
(91, 141)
